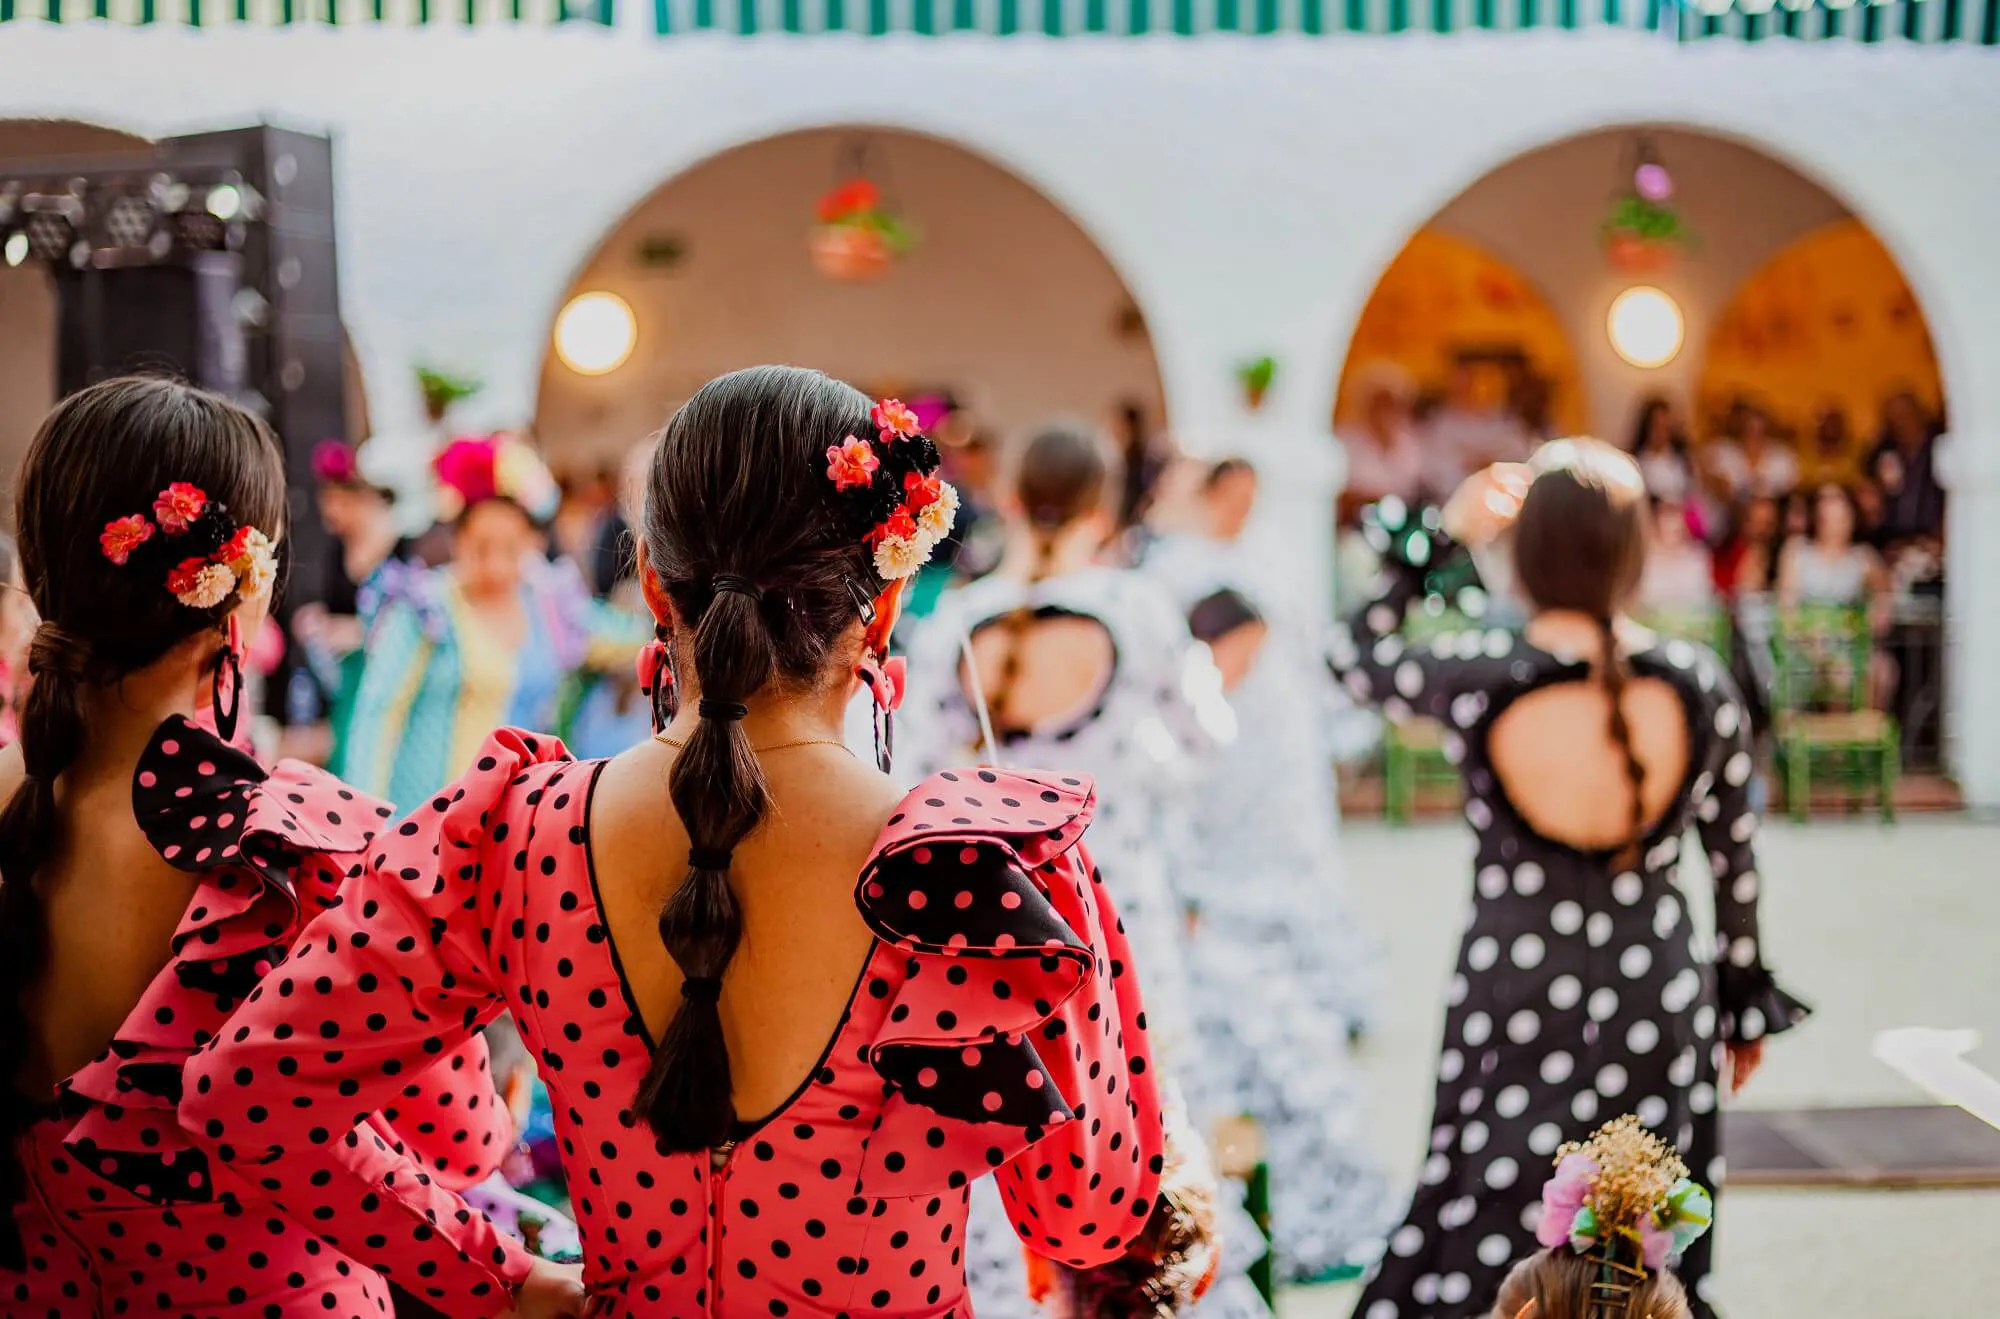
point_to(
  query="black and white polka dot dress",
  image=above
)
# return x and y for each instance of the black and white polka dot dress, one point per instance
(1582, 990)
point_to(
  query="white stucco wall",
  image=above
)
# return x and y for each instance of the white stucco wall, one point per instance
(1249, 190)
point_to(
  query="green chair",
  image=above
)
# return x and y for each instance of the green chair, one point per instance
(1413, 749)
(1826, 730)
(1709, 627)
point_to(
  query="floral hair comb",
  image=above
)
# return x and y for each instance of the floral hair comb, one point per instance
(193, 542)
(1624, 1198)
(887, 493)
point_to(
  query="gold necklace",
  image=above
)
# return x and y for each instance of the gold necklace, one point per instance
(677, 744)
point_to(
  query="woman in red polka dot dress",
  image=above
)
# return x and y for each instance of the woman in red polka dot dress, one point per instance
(152, 876)
(786, 1013)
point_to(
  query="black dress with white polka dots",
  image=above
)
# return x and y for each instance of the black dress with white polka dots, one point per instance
(1582, 991)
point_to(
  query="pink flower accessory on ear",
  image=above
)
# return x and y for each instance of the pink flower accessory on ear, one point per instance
(202, 556)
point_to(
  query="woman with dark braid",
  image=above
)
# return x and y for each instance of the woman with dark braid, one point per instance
(1092, 667)
(1587, 747)
(151, 876)
(786, 1012)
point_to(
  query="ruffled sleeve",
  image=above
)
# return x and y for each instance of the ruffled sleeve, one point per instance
(1016, 1038)
(270, 847)
(1752, 1005)
(382, 986)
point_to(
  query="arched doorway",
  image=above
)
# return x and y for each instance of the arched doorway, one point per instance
(1000, 299)
(1686, 267)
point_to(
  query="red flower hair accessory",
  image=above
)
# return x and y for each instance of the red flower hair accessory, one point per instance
(887, 494)
(203, 556)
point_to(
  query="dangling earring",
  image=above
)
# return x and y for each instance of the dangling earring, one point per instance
(656, 680)
(884, 679)
(227, 662)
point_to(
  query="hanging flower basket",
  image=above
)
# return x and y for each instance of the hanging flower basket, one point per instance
(855, 239)
(1641, 236)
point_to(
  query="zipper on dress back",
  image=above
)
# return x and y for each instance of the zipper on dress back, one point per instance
(718, 1183)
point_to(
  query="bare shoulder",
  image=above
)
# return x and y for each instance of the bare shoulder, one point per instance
(13, 773)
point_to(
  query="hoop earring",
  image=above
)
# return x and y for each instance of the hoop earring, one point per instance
(656, 680)
(226, 716)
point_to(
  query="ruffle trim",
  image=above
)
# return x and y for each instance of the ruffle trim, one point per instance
(1753, 1006)
(960, 884)
(250, 833)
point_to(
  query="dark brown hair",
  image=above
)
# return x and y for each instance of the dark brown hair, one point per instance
(740, 529)
(1557, 1282)
(101, 454)
(1065, 473)
(1580, 543)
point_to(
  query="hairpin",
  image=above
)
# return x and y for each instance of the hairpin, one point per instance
(887, 493)
(1624, 1198)
(205, 554)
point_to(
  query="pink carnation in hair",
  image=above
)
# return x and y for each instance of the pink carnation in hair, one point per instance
(894, 419)
(333, 463)
(1563, 1195)
(851, 463)
(178, 505)
(123, 535)
(466, 467)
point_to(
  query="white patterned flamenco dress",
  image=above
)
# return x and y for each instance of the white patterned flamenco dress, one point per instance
(1138, 737)
(1279, 962)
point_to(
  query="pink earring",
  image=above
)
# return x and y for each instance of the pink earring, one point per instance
(656, 680)
(885, 680)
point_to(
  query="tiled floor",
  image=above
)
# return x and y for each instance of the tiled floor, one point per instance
(1878, 927)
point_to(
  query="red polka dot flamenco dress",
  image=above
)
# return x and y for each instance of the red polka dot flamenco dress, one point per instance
(125, 1215)
(996, 1027)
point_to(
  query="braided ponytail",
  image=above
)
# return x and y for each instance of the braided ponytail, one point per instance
(767, 590)
(51, 738)
(1613, 674)
(718, 787)
(1066, 473)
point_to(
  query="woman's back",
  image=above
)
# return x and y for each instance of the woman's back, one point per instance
(1555, 760)
(804, 942)
(111, 907)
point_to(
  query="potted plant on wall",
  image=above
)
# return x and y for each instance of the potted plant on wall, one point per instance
(441, 390)
(1255, 377)
(856, 237)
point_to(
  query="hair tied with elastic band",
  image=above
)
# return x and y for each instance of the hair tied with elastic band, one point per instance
(702, 989)
(709, 858)
(730, 583)
(727, 711)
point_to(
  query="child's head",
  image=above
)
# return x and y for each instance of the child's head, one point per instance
(1556, 1284)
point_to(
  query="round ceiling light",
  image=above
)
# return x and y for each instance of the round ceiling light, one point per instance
(1645, 326)
(595, 333)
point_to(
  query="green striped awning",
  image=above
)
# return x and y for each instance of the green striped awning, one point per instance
(1928, 21)
(279, 13)
(1914, 20)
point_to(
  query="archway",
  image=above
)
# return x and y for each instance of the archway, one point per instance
(1001, 300)
(1698, 269)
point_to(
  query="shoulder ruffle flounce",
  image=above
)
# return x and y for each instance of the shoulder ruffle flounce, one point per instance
(271, 848)
(969, 882)
(1752, 1004)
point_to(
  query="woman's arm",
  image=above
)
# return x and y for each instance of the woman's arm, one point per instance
(1080, 1194)
(1788, 576)
(376, 990)
(1752, 1005)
